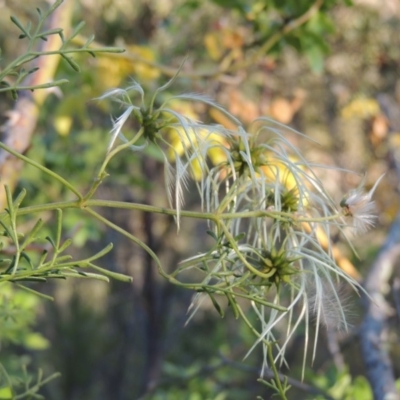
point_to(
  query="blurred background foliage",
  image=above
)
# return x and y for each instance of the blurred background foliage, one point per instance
(327, 68)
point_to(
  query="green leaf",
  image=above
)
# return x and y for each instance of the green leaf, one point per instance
(32, 234)
(65, 245)
(76, 30)
(27, 258)
(361, 389)
(240, 5)
(320, 24)
(240, 236)
(316, 58)
(32, 70)
(35, 341)
(49, 239)
(232, 303)
(55, 31)
(111, 274)
(59, 220)
(89, 275)
(101, 253)
(36, 293)
(19, 199)
(6, 393)
(71, 62)
(18, 23)
(89, 41)
(213, 235)
(216, 305)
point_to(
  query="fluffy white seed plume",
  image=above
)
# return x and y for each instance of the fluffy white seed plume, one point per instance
(359, 206)
(117, 126)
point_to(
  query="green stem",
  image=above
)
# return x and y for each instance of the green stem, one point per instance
(133, 239)
(47, 85)
(166, 211)
(33, 390)
(159, 267)
(275, 371)
(77, 204)
(269, 351)
(42, 168)
(251, 327)
(102, 171)
(230, 291)
(235, 247)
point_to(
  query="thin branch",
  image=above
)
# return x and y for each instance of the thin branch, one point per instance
(396, 294)
(373, 332)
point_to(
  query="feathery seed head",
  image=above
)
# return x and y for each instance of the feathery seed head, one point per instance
(359, 207)
(257, 183)
(278, 266)
(288, 200)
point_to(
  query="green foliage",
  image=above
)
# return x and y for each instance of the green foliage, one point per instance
(18, 313)
(23, 386)
(52, 263)
(256, 202)
(16, 70)
(273, 22)
(342, 386)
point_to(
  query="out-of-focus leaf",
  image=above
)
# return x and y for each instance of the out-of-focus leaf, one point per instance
(111, 71)
(213, 45)
(35, 341)
(63, 124)
(315, 58)
(240, 5)
(362, 107)
(360, 389)
(6, 393)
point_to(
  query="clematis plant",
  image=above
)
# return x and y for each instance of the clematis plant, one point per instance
(268, 214)
(269, 218)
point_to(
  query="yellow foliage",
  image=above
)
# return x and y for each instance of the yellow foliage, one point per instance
(218, 42)
(6, 392)
(363, 107)
(222, 119)
(212, 42)
(63, 124)
(142, 69)
(394, 140)
(111, 70)
(181, 140)
(69, 109)
(276, 169)
(184, 108)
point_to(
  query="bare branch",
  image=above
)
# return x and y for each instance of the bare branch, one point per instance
(373, 332)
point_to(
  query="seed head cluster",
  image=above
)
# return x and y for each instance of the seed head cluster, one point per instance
(267, 205)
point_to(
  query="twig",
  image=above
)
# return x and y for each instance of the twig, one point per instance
(396, 294)
(374, 328)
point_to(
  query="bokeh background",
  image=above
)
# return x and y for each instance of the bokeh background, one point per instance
(334, 78)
